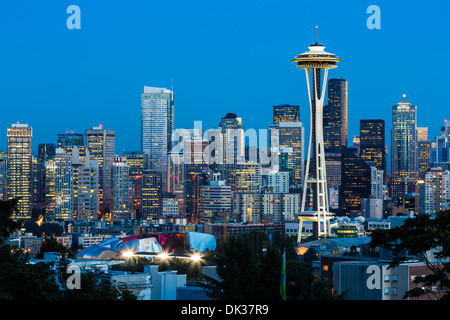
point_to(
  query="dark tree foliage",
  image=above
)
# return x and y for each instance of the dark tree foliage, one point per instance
(7, 225)
(46, 229)
(22, 280)
(250, 269)
(50, 244)
(416, 237)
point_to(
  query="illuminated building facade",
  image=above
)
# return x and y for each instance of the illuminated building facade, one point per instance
(372, 145)
(157, 127)
(121, 206)
(101, 144)
(19, 168)
(404, 147)
(85, 184)
(335, 114)
(245, 177)
(137, 162)
(286, 113)
(58, 195)
(355, 181)
(434, 191)
(151, 194)
(233, 138)
(315, 62)
(292, 135)
(215, 200)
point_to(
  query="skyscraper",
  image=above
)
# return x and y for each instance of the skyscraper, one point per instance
(404, 147)
(215, 200)
(355, 181)
(372, 142)
(137, 162)
(286, 113)
(101, 144)
(85, 184)
(58, 195)
(335, 114)
(121, 206)
(19, 168)
(157, 127)
(292, 135)
(234, 138)
(151, 194)
(434, 191)
(46, 151)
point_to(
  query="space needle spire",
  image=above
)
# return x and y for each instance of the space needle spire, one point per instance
(315, 62)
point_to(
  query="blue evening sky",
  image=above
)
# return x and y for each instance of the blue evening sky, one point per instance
(223, 56)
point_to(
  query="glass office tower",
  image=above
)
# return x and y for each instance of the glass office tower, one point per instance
(157, 127)
(286, 113)
(372, 142)
(335, 114)
(404, 147)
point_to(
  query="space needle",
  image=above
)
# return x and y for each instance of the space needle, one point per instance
(315, 62)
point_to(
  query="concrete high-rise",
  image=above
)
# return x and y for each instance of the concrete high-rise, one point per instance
(85, 184)
(19, 168)
(101, 145)
(157, 127)
(121, 205)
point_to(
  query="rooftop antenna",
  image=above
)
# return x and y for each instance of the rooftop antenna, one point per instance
(317, 34)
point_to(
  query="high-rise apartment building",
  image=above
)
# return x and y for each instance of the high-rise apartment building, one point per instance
(121, 205)
(101, 145)
(137, 162)
(151, 194)
(404, 147)
(434, 191)
(372, 145)
(335, 114)
(19, 168)
(85, 184)
(245, 177)
(58, 187)
(157, 128)
(215, 200)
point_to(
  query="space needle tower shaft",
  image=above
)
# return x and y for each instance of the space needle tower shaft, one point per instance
(315, 62)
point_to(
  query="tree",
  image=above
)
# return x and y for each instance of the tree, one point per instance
(243, 276)
(417, 237)
(8, 225)
(50, 244)
(236, 266)
(21, 280)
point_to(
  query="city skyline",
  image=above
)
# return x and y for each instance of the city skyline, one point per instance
(99, 77)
